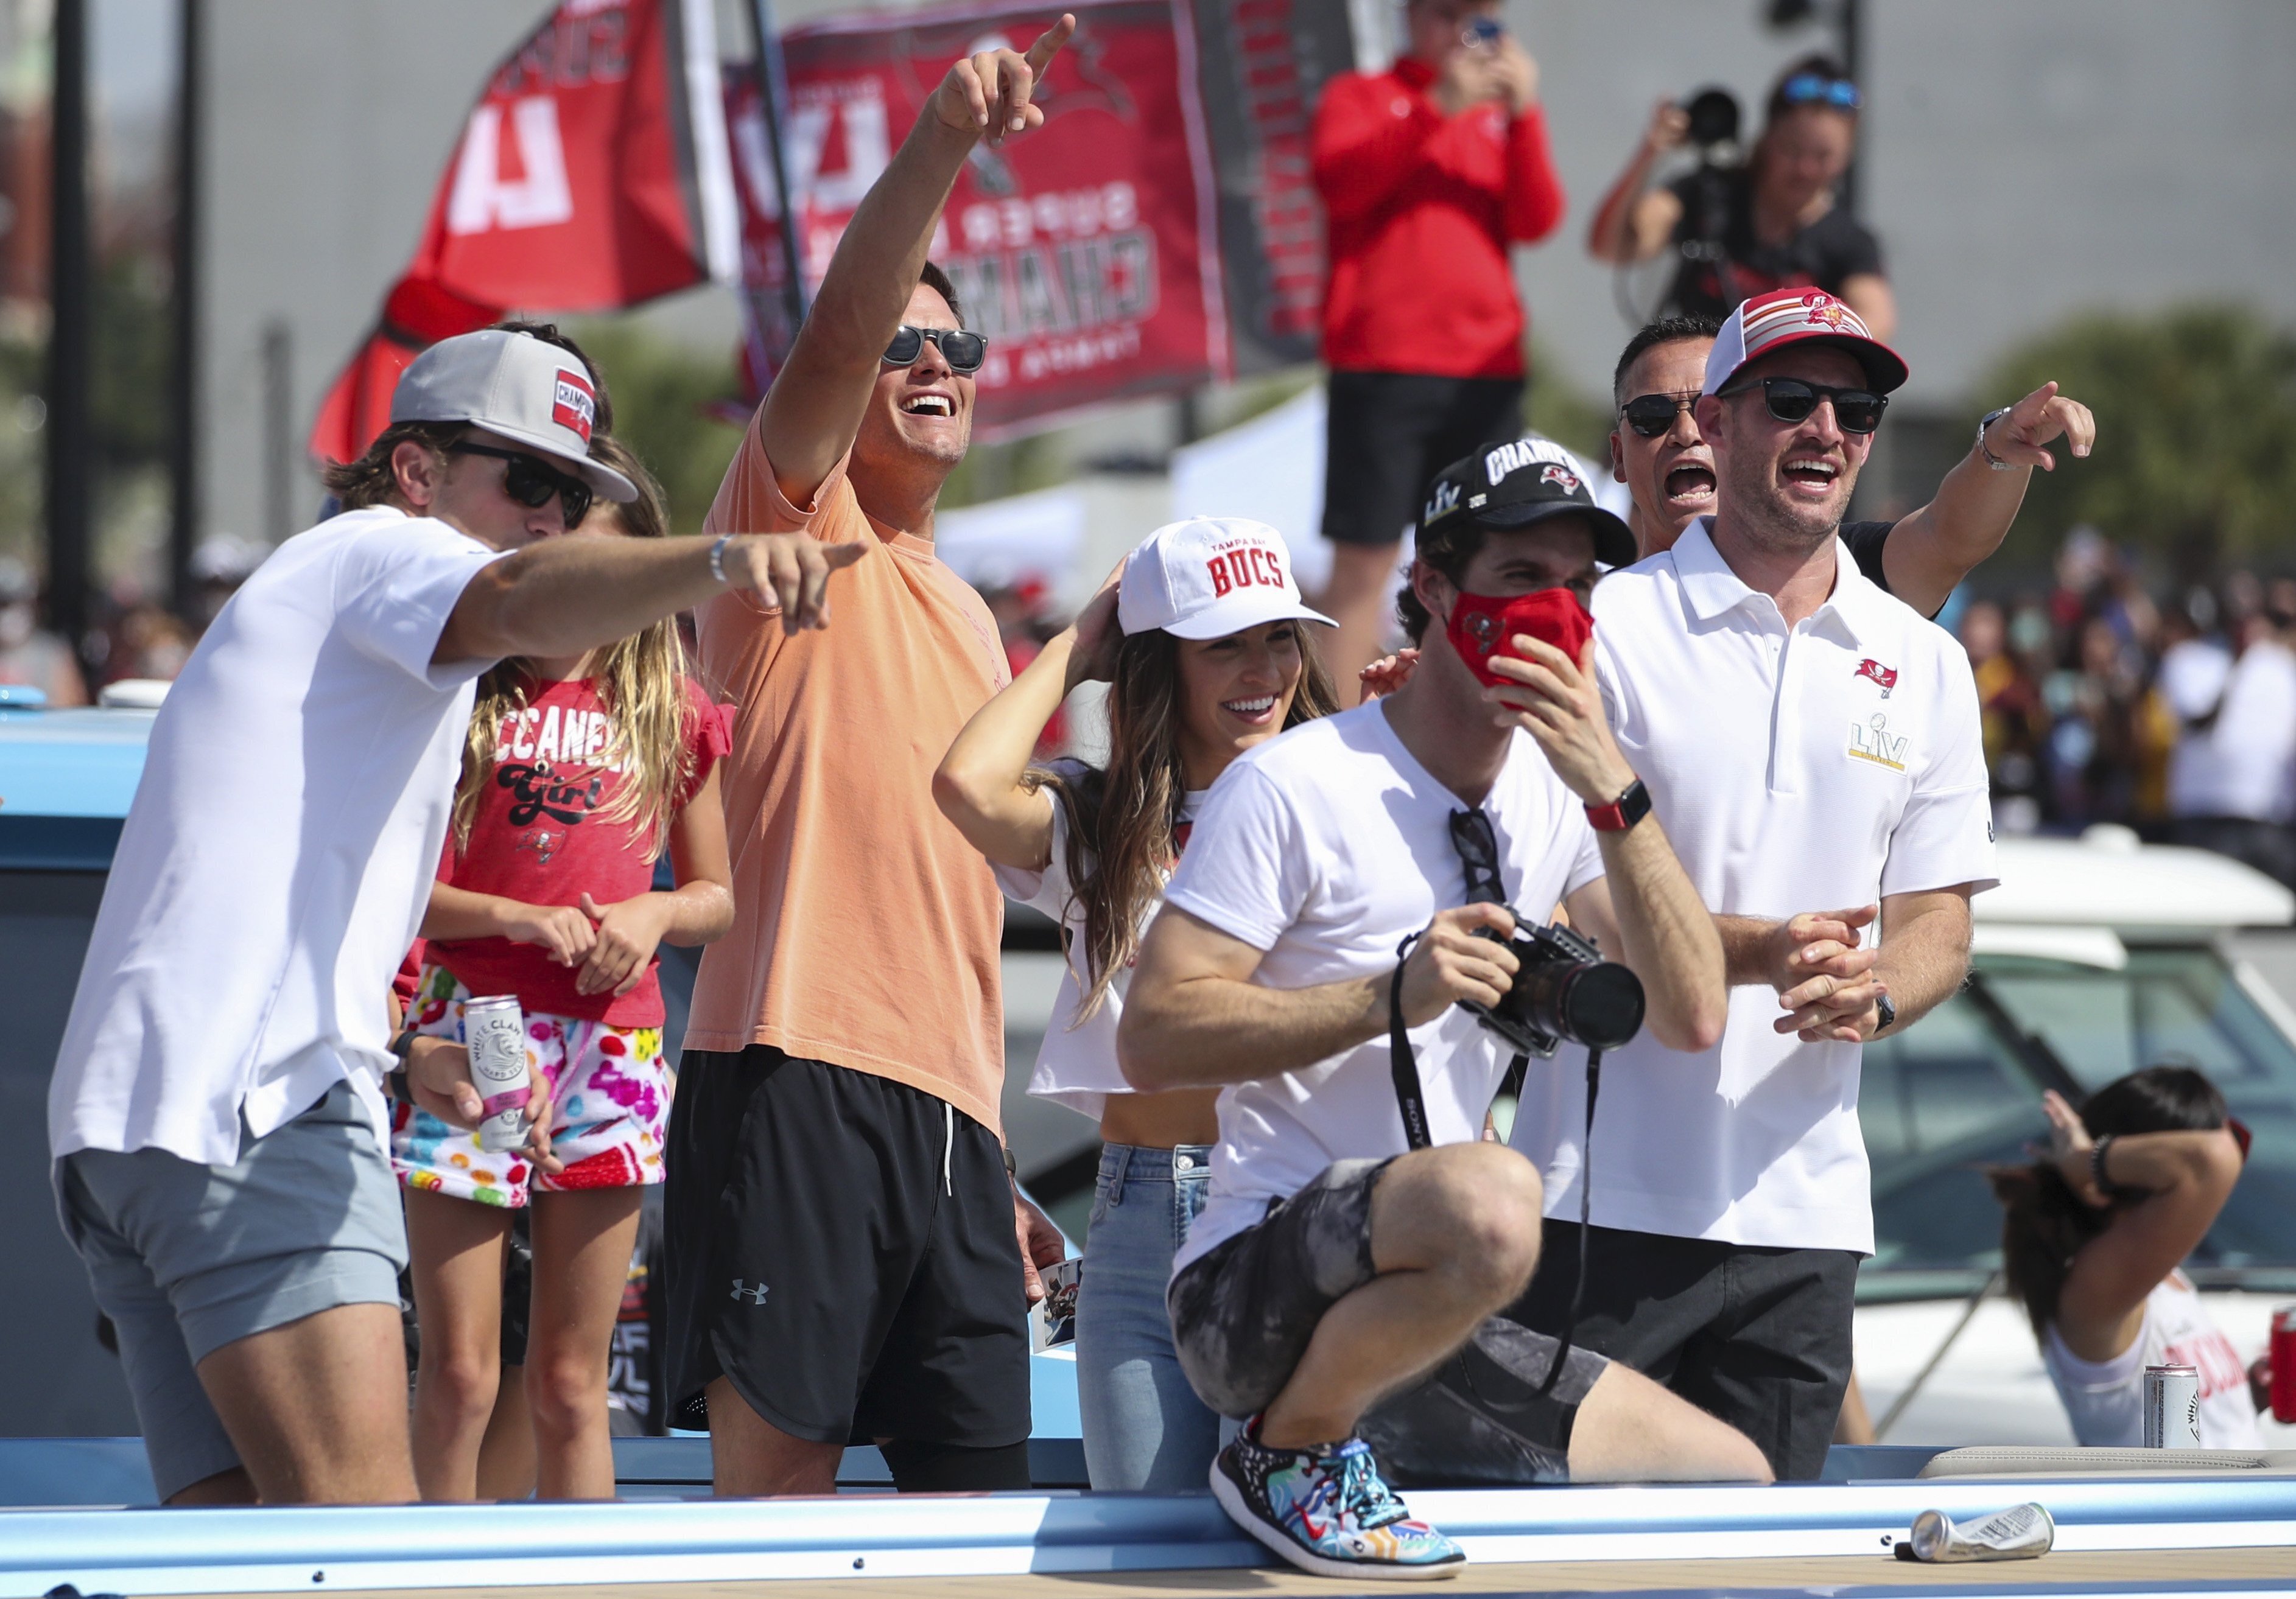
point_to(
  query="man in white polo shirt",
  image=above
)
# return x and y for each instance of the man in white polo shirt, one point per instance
(1808, 742)
(215, 1118)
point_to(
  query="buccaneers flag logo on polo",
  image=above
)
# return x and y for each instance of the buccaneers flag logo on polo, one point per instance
(1887, 676)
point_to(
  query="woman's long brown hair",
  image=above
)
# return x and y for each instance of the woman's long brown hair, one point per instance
(642, 679)
(2043, 1223)
(1121, 819)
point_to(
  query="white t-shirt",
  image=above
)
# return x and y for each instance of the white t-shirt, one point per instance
(1324, 848)
(2241, 763)
(1815, 769)
(2105, 1399)
(273, 868)
(1076, 1066)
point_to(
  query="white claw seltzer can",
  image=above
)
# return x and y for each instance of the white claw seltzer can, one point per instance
(2172, 1407)
(494, 1030)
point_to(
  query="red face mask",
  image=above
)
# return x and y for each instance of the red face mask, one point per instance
(1481, 626)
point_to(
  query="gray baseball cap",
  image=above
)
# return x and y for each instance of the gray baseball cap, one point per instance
(531, 393)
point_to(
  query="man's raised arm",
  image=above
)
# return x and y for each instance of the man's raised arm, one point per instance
(816, 405)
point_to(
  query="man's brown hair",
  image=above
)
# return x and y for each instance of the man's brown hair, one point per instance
(940, 282)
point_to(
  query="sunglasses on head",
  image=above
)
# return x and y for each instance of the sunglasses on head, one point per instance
(1651, 415)
(1791, 400)
(1815, 88)
(532, 484)
(964, 352)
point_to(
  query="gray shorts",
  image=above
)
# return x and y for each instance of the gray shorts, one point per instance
(1244, 1312)
(185, 1258)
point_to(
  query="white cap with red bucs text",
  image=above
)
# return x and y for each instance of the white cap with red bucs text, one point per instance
(531, 393)
(1208, 577)
(1787, 316)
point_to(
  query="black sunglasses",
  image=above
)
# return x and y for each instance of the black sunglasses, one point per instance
(964, 352)
(532, 484)
(1791, 400)
(1478, 853)
(1652, 415)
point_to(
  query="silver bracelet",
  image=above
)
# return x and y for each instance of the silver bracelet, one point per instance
(717, 558)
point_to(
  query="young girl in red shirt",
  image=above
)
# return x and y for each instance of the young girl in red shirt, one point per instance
(577, 773)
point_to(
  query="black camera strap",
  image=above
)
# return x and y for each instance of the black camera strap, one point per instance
(1401, 1066)
(1411, 1100)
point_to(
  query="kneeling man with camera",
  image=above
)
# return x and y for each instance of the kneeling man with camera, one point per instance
(1337, 952)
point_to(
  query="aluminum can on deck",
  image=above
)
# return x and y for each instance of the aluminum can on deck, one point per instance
(494, 1030)
(2021, 1532)
(2284, 1363)
(2172, 1407)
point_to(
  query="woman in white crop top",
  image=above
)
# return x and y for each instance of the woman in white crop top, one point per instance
(1203, 645)
(2091, 1241)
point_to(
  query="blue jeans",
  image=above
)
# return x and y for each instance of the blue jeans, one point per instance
(1144, 1429)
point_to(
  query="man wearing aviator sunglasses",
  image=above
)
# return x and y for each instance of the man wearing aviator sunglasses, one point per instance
(1809, 741)
(1658, 451)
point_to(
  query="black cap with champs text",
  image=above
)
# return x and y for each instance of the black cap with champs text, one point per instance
(1515, 483)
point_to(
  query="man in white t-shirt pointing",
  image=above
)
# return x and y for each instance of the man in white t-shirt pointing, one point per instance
(1810, 743)
(215, 1116)
(1333, 1264)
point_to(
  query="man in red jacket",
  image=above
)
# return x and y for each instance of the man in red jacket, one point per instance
(1428, 172)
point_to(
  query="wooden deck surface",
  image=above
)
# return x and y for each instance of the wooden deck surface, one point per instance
(1739, 1577)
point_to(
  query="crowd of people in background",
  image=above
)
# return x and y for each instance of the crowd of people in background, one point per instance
(2107, 701)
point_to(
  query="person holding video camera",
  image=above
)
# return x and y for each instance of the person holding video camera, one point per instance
(1338, 953)
(1810, 743)
(1428, 171)
(1774, 222)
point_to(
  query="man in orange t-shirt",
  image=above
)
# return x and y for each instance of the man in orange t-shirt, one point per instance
(848, 1256)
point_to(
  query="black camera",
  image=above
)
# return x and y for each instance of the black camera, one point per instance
(1713, 115)
(1563, 989)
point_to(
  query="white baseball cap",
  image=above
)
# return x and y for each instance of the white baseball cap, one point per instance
(1208, 577)
(530, 392)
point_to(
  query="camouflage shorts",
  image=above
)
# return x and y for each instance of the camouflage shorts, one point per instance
(1244, 1312)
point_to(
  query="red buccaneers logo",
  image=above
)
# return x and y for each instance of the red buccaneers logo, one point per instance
(1555, 473)
(574, 404)
(1887, 676)
(1824, 309)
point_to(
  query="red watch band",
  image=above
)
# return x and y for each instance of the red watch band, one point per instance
(1622, 813)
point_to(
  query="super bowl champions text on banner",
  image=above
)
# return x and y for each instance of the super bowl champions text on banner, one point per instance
(1091, 260)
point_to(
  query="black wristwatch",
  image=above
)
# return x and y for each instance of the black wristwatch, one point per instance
(1885, 1014)
(403, 1047)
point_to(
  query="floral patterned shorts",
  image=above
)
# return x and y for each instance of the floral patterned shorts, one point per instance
(610, 1104)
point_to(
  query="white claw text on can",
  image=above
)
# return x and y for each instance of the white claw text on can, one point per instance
(2172, 1407)
(494, 1030)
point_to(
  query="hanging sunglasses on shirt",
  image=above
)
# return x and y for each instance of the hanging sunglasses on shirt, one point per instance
(532, 484)
(1652, 415)
(964, 352)
(1791, 400)
(1815, 88)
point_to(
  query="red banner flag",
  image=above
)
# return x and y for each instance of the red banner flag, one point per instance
(592, 174)
(1087, 251)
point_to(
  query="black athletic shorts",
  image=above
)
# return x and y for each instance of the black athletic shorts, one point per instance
(1388, 434)
(1759, 1337)
(841, 1248)
(1243, 1314)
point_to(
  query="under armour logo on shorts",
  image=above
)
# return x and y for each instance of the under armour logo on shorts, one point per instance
(756, 1297)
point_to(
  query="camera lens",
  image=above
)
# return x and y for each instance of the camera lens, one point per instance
(1713, 118)
(1601, 1004)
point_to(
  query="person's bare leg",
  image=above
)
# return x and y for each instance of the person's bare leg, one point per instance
(750, 1458)
(233, 1486)
(1630, 1429)
(1355, 597)
(506, 1453)
(457, 1248)
(318, 1409)
(582, 1243)
(1454, 1235)
(1855, 1424)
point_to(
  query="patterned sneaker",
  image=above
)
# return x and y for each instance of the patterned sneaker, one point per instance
(1328, 1513)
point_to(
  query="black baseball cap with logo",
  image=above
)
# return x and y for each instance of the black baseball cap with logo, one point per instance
(1515, 483)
